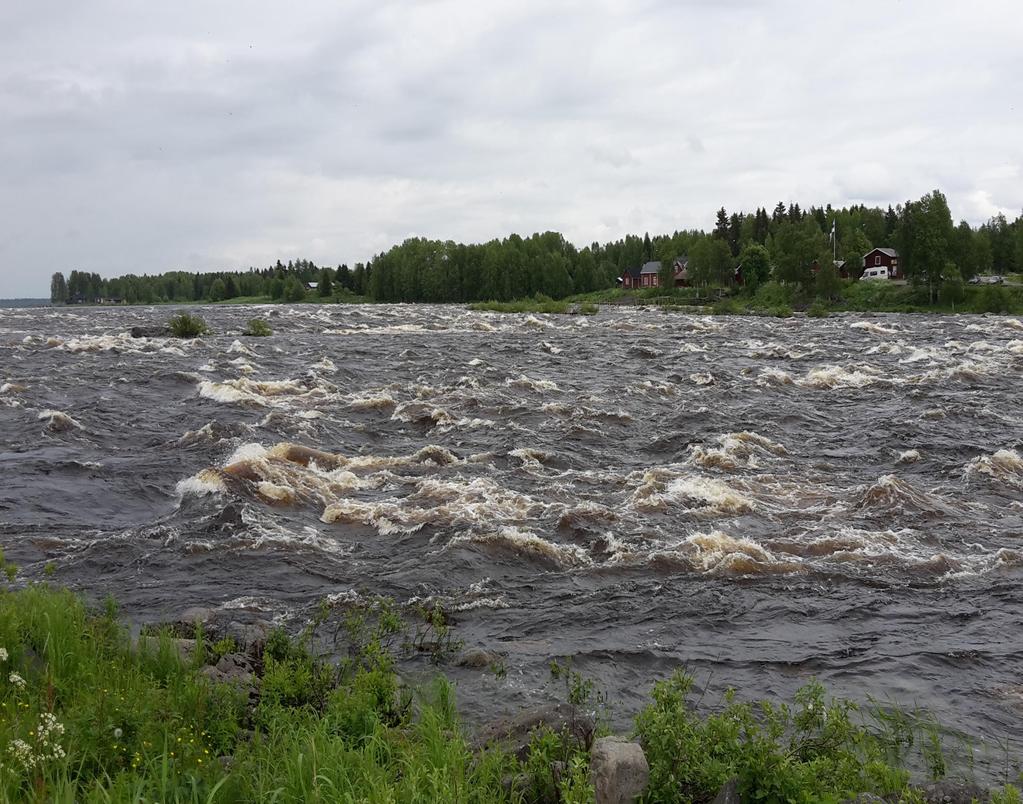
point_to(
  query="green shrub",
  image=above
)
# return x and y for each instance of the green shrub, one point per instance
(257, 328)
(992, 299)
(185, 325)
(775, 294)
(726, 307)
(817, 310)
(588, 308)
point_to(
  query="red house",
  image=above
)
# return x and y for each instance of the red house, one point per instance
(881, 260)
(648, 275)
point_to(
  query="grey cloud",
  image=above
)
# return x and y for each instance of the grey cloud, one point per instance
(144, 138)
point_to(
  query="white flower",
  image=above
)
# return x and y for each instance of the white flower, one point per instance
(117, 734)
(22, 753)
(17, 681)
(3, 654)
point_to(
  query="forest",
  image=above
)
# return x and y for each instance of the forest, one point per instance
(780, 245)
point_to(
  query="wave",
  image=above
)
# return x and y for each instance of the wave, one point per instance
(1004, 466)
(57, 421)
(525, 544)
(718, 553)
(694, 494)
(735, 451)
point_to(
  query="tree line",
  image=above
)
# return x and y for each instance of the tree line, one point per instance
(781, 245)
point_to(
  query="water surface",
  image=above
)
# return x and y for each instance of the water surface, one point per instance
(762, 500)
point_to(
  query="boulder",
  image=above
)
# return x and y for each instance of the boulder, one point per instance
(150, 332)
(196, 615)
(232, 668)
(185, 648)
(729, 794)
(515, 732)
(865, 798)
(478, 658)
(618, 770)
(953, 791)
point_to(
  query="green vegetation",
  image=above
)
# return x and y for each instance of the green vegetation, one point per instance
(186, 325)
(257, 328)
(537, 304)
(91, 716)
(789, 245)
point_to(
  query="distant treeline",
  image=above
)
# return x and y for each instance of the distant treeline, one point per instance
(781, 245)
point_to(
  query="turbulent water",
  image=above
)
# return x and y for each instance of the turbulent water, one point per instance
(762, 500)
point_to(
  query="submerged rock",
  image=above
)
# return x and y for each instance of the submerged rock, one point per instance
(478, 658)
(515, 732)
(953, 791)
(618, 769)
(150, 332)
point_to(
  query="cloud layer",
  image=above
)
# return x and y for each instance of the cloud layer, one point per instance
(194, 135)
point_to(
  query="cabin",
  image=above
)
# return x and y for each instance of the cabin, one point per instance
(311, 285)
(882, 263)
(840, 267)
(648, 275)
(681, 265)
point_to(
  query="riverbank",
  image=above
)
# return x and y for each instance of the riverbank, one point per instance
(199, 712)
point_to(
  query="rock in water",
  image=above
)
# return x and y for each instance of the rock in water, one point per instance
(514, 733)
(150, 332)
(618, 769)
(478, 658)
(953, 791)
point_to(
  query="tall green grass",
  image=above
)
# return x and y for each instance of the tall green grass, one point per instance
(89, 715)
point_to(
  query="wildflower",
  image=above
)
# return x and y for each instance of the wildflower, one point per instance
(17, 681)
(117, 734)
(3, 654)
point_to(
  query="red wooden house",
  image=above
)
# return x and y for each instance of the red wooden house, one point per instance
(648, 275)
(887, 258)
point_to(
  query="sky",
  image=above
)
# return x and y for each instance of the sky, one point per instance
(142, 137)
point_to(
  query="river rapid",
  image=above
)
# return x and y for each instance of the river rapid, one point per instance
(763, 500)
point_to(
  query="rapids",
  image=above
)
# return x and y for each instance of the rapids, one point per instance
(763, 500)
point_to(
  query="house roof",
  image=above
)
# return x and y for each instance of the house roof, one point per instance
(633, 272)
(652, 267)
(889, 251)
(682, 261)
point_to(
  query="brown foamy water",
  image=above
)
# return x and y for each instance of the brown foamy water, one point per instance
(763, 500)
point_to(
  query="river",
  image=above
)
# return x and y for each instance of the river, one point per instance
(761, 500)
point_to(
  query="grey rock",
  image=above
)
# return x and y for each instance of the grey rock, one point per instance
(953, 791)
(618, 770)
(478, 658)
(232, 668)
(729, 794)
(150, 332)
(249, 637)
(196, 615)
(865, 798)
(185, 648)
(515, 732)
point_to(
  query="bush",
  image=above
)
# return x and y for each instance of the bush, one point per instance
(588, 308)
(726, 307)
(186, 325)
(257, 328)
(992, 299)
(775, 294)
(817, 310)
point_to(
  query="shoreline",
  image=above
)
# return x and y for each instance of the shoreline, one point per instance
(254, 695)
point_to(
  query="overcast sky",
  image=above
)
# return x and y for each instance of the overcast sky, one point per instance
(142, 136)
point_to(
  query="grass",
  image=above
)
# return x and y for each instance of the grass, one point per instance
(186, 325)
(537, 304)
(88, 716)
(257, 328)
